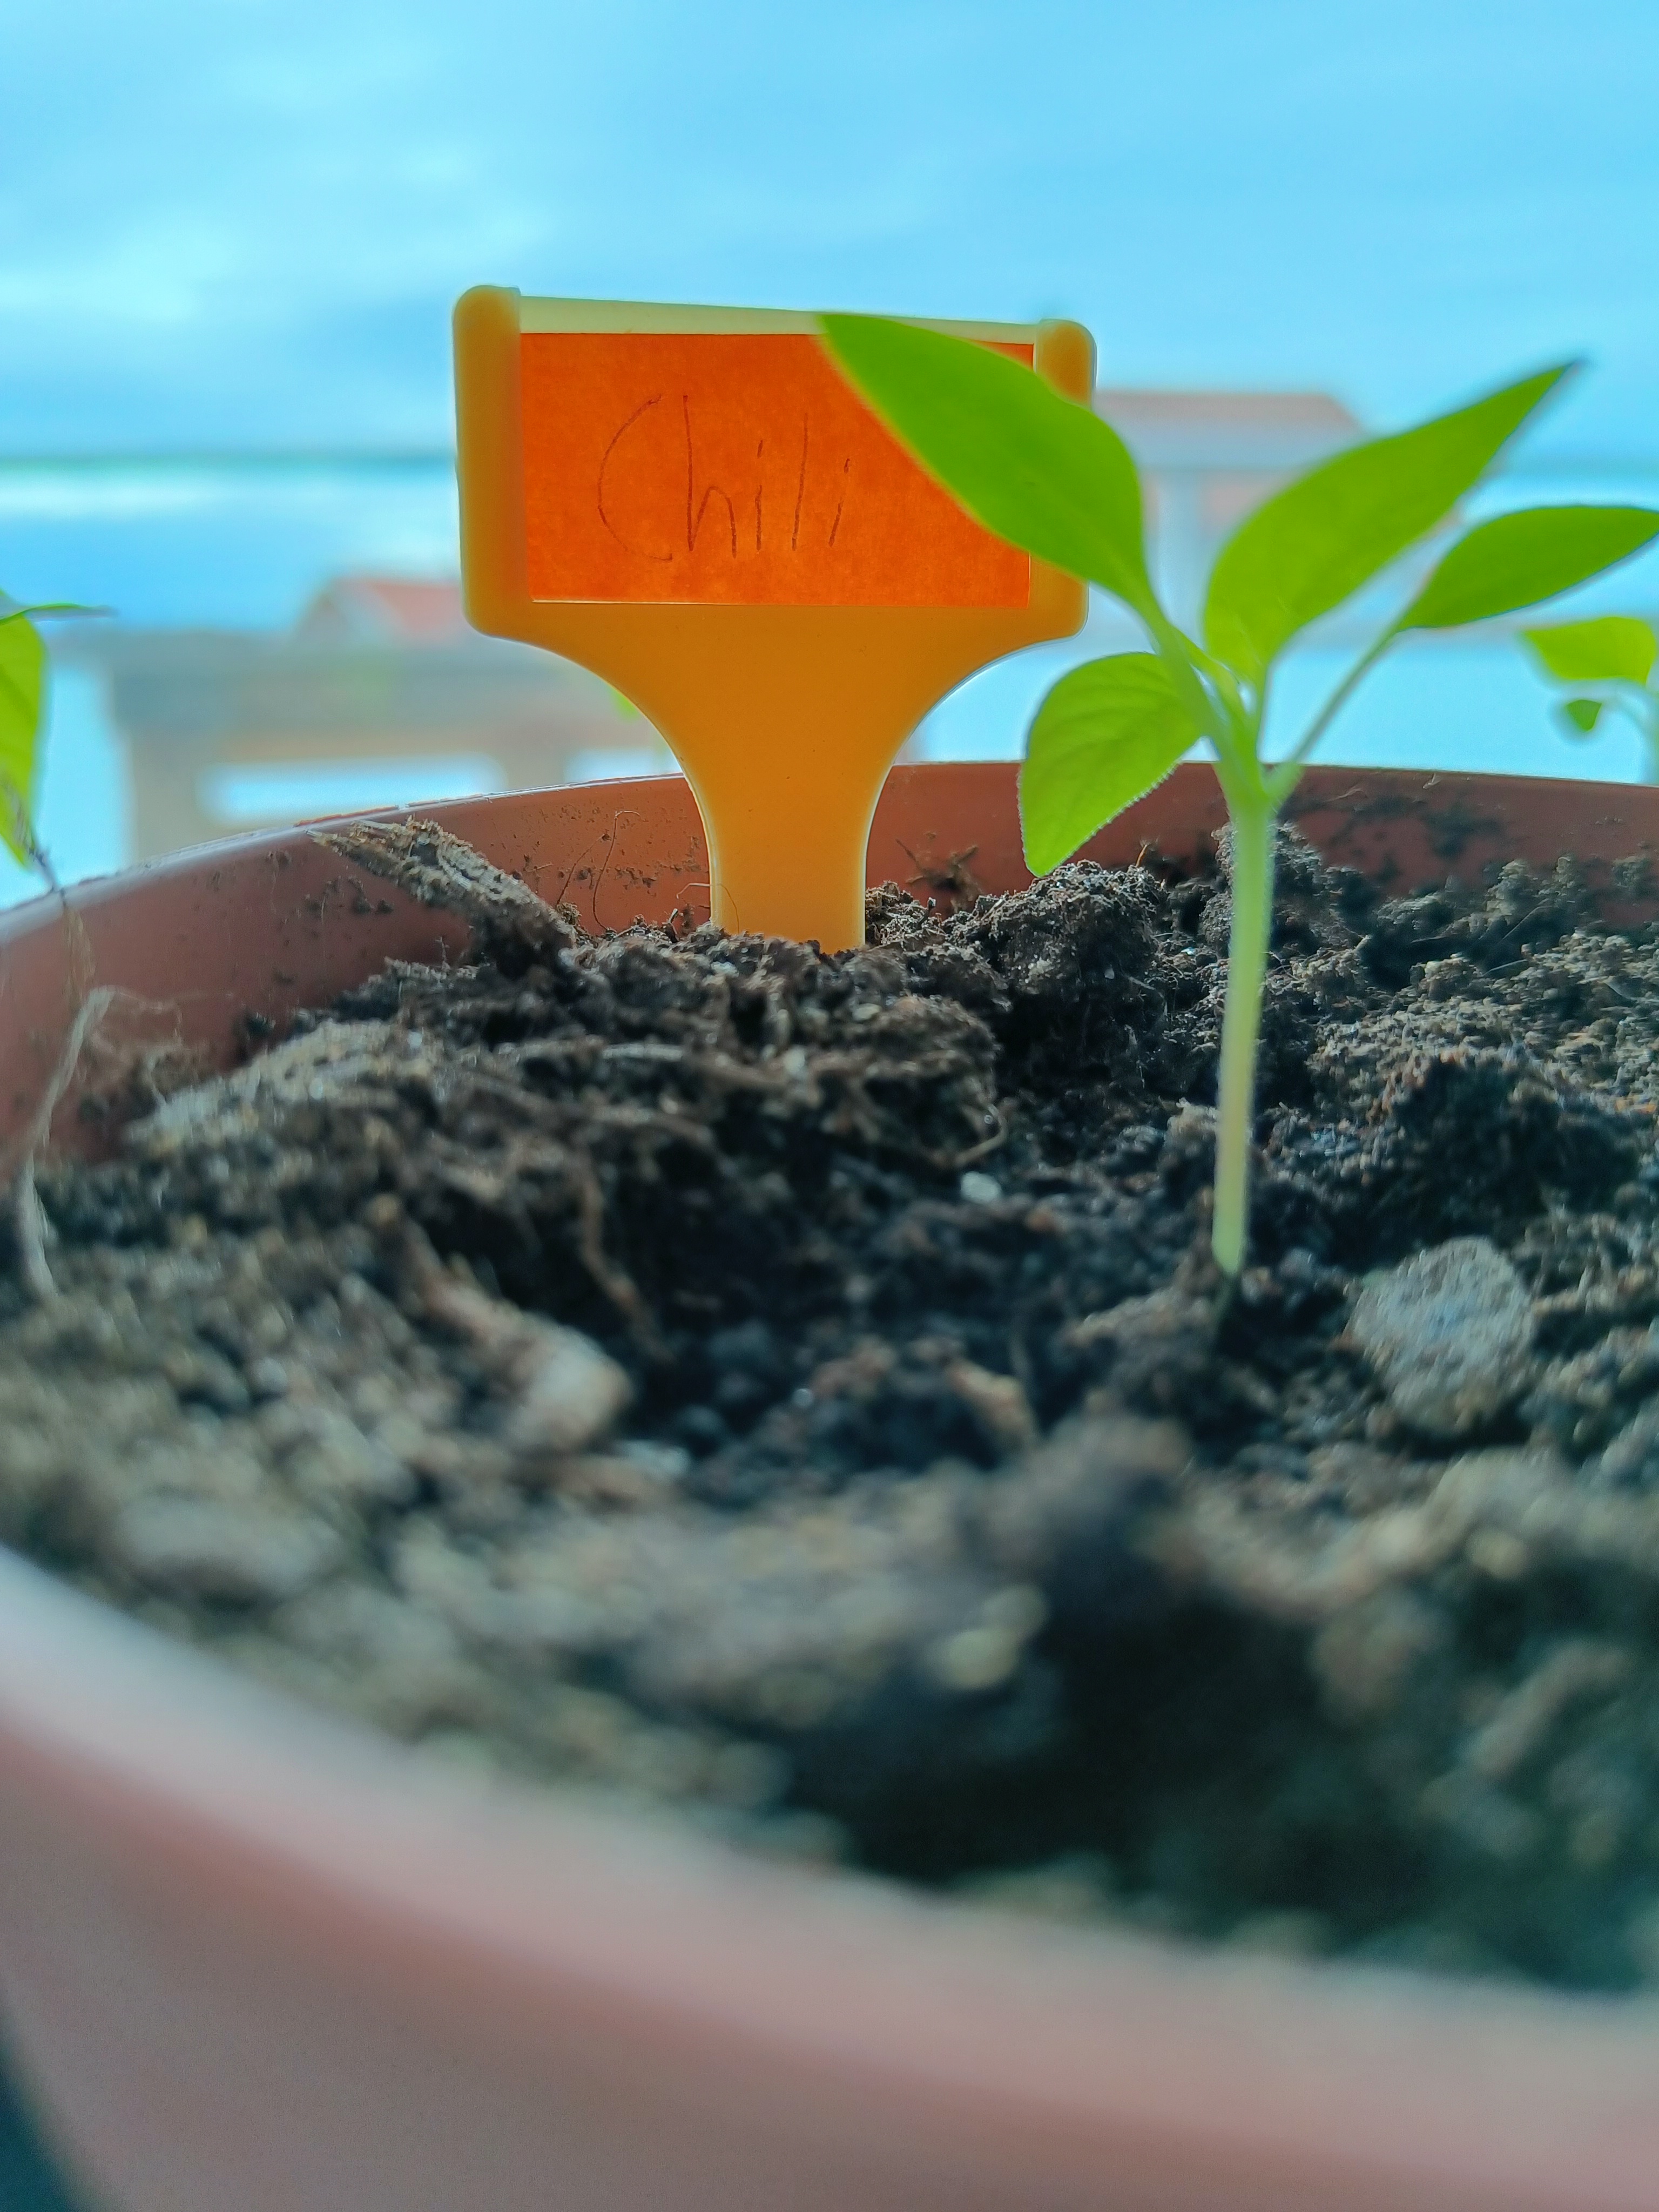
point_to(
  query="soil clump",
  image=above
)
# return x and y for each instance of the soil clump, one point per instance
(795, 1390)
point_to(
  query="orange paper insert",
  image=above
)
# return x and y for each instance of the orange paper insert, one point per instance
(734, 470)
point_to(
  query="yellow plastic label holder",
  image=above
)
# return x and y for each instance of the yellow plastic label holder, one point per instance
(692, 502)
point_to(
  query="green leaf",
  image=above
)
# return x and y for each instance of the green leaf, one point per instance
(1042, 472)
(1609, 649)
(1313, 544)
(1578, 717)
(22, 690)
(1105, 734)
(1516, 560)
(49, 607)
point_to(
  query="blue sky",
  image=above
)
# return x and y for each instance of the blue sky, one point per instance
(227, 224)
(231, 220)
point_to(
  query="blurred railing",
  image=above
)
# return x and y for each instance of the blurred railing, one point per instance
(209, 557)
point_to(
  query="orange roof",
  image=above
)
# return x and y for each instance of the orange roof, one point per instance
(1229, 429)
(389, 610)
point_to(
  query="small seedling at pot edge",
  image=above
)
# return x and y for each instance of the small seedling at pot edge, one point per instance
(23, 718)
(1607, 665)
(1047, 474)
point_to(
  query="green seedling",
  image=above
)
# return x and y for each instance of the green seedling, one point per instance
(1608, 666)
(1049, 475)
(22, 720)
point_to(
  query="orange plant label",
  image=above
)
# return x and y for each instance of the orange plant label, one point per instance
(737, 470)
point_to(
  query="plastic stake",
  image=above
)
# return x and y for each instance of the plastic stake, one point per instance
(691, 502)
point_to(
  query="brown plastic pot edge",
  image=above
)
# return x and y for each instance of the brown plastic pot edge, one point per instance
(253, 928)
(210, 941)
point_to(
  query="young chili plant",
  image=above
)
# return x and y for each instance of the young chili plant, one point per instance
(1608, 666)
(1049, 476)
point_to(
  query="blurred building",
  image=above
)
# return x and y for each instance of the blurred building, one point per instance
(1207, 458)
(380, 694)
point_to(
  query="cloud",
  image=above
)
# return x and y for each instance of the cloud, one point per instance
(248, 221)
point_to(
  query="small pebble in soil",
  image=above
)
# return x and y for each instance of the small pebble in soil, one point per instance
(1450, 1334)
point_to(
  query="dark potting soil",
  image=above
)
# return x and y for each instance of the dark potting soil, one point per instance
(795, 1390)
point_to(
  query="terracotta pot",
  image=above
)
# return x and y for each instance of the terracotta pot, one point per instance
(253, 1958)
